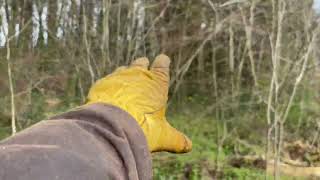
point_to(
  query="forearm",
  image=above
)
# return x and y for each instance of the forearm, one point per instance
(93, 142)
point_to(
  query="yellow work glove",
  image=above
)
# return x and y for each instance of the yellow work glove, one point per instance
(143, 93)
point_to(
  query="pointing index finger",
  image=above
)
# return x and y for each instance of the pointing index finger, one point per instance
(140, 62)
(161, 64)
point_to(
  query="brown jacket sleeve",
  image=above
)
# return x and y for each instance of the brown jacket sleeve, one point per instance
(97, 142)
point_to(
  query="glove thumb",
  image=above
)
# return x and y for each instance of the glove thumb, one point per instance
(174, 141)
(163, 137)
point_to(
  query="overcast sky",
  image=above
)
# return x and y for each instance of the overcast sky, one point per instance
(316, 5)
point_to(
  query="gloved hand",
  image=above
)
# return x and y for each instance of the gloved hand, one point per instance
(143, 93)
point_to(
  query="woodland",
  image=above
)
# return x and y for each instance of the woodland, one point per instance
(245, 75)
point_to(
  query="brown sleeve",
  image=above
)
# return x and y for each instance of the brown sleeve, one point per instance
(95, 142)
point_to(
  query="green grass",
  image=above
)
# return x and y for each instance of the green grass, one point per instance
(200, 163)
(4, 132)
